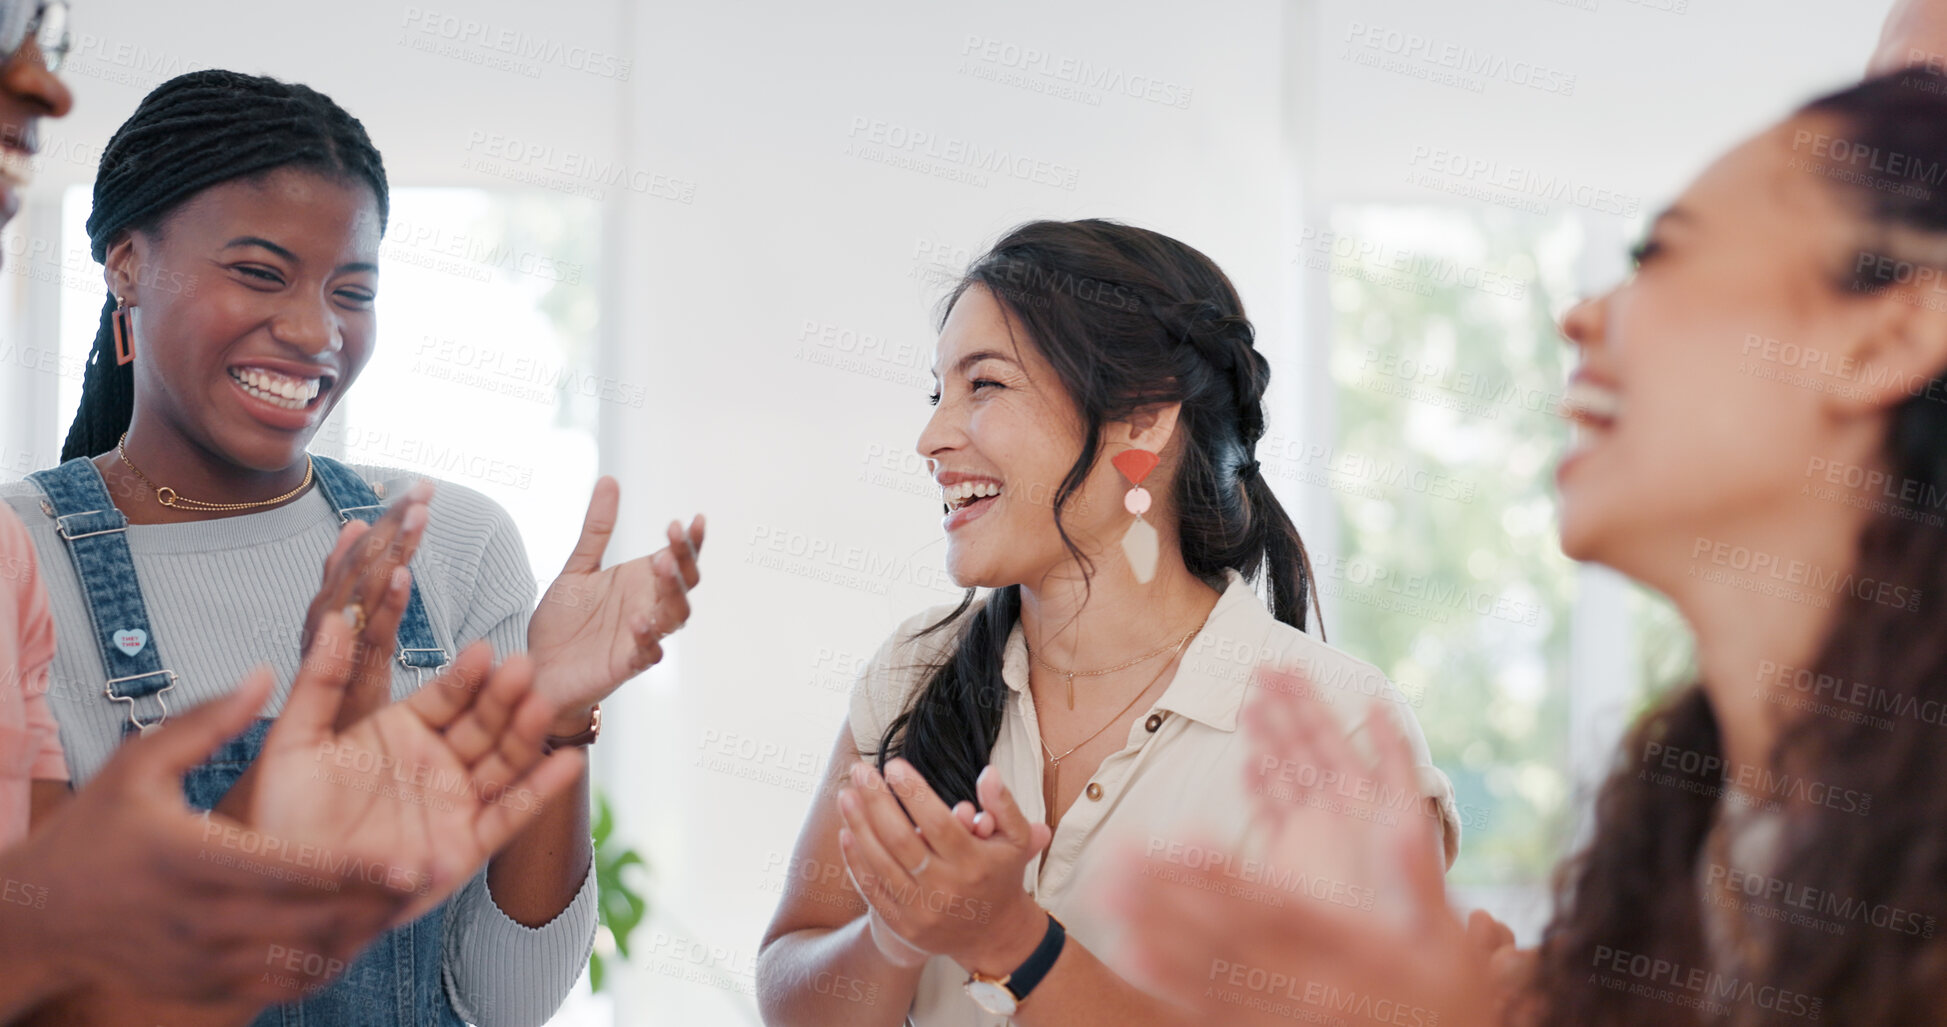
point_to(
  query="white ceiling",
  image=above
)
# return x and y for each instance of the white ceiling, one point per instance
(1656, 93)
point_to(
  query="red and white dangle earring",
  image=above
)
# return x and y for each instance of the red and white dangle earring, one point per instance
(1140, 544)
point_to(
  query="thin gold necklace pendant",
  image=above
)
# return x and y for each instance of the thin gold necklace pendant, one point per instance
(1071, 691)
(166, 496)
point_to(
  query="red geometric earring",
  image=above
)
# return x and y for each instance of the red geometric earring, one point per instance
(124, 332)
(1141, 544)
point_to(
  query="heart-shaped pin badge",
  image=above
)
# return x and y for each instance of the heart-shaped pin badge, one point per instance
(131, 640)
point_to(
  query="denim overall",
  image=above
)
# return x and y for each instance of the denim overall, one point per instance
(395, 981)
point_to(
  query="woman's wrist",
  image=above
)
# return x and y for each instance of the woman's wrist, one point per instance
(571, 722)
(891, 945)
(1011, 938)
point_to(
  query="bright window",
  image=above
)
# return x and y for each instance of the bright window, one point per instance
(1448, 371)
(484, 373)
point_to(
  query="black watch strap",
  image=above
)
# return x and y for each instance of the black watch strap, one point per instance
(1042, 960)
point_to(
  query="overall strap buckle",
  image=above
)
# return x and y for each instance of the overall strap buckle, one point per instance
(368, 514)
(89, 523)
(408, 660)
(96, 536)
(135, 718)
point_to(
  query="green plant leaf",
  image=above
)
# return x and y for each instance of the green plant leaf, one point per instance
(604, 821)
(619, 905)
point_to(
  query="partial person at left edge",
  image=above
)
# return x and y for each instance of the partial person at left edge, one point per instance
(34, 41)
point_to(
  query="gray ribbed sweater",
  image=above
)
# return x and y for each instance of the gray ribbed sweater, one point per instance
(225, 595)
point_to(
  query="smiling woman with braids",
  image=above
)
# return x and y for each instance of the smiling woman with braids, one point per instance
(1092, 693)
(238, 220)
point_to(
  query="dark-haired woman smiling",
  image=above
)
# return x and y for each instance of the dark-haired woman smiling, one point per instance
(1099, 398)
(238, 220)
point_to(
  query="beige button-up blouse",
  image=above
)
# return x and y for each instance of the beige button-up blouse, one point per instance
(1179, 781)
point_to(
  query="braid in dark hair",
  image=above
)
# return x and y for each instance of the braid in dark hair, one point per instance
(190, 133)
(1229, 343)
(1129, 319)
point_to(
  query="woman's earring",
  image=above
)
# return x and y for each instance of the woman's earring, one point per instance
(124, 331)
(1140, 544)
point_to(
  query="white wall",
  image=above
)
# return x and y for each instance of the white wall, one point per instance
(1653, 93)
(418, 105)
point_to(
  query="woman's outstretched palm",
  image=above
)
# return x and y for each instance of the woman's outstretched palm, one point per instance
(423, 790)
(596, 628)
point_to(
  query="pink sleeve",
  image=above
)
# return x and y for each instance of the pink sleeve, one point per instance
(35, 636)
(36, 655)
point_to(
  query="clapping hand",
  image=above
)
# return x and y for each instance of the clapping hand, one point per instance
(935, 884)
(1383, 944)
(130, 890)
(366, 578)
(596, 628)
(425, 789)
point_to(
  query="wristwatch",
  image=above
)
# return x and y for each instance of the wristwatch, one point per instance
(1003, 995)
(585, 736)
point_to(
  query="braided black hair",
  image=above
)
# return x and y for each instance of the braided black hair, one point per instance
(190, 133)
(1129, 318)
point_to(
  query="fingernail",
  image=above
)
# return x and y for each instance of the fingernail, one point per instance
(422, 490)
(401, 578)
(415, 518)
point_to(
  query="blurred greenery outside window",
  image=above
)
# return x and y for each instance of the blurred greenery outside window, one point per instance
(1448, 370)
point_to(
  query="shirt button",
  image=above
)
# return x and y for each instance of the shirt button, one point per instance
(1095, 791)
(1155, 721)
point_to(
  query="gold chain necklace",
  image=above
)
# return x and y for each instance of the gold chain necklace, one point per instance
(169, 498)
(1054, 761)
(1070, 675)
